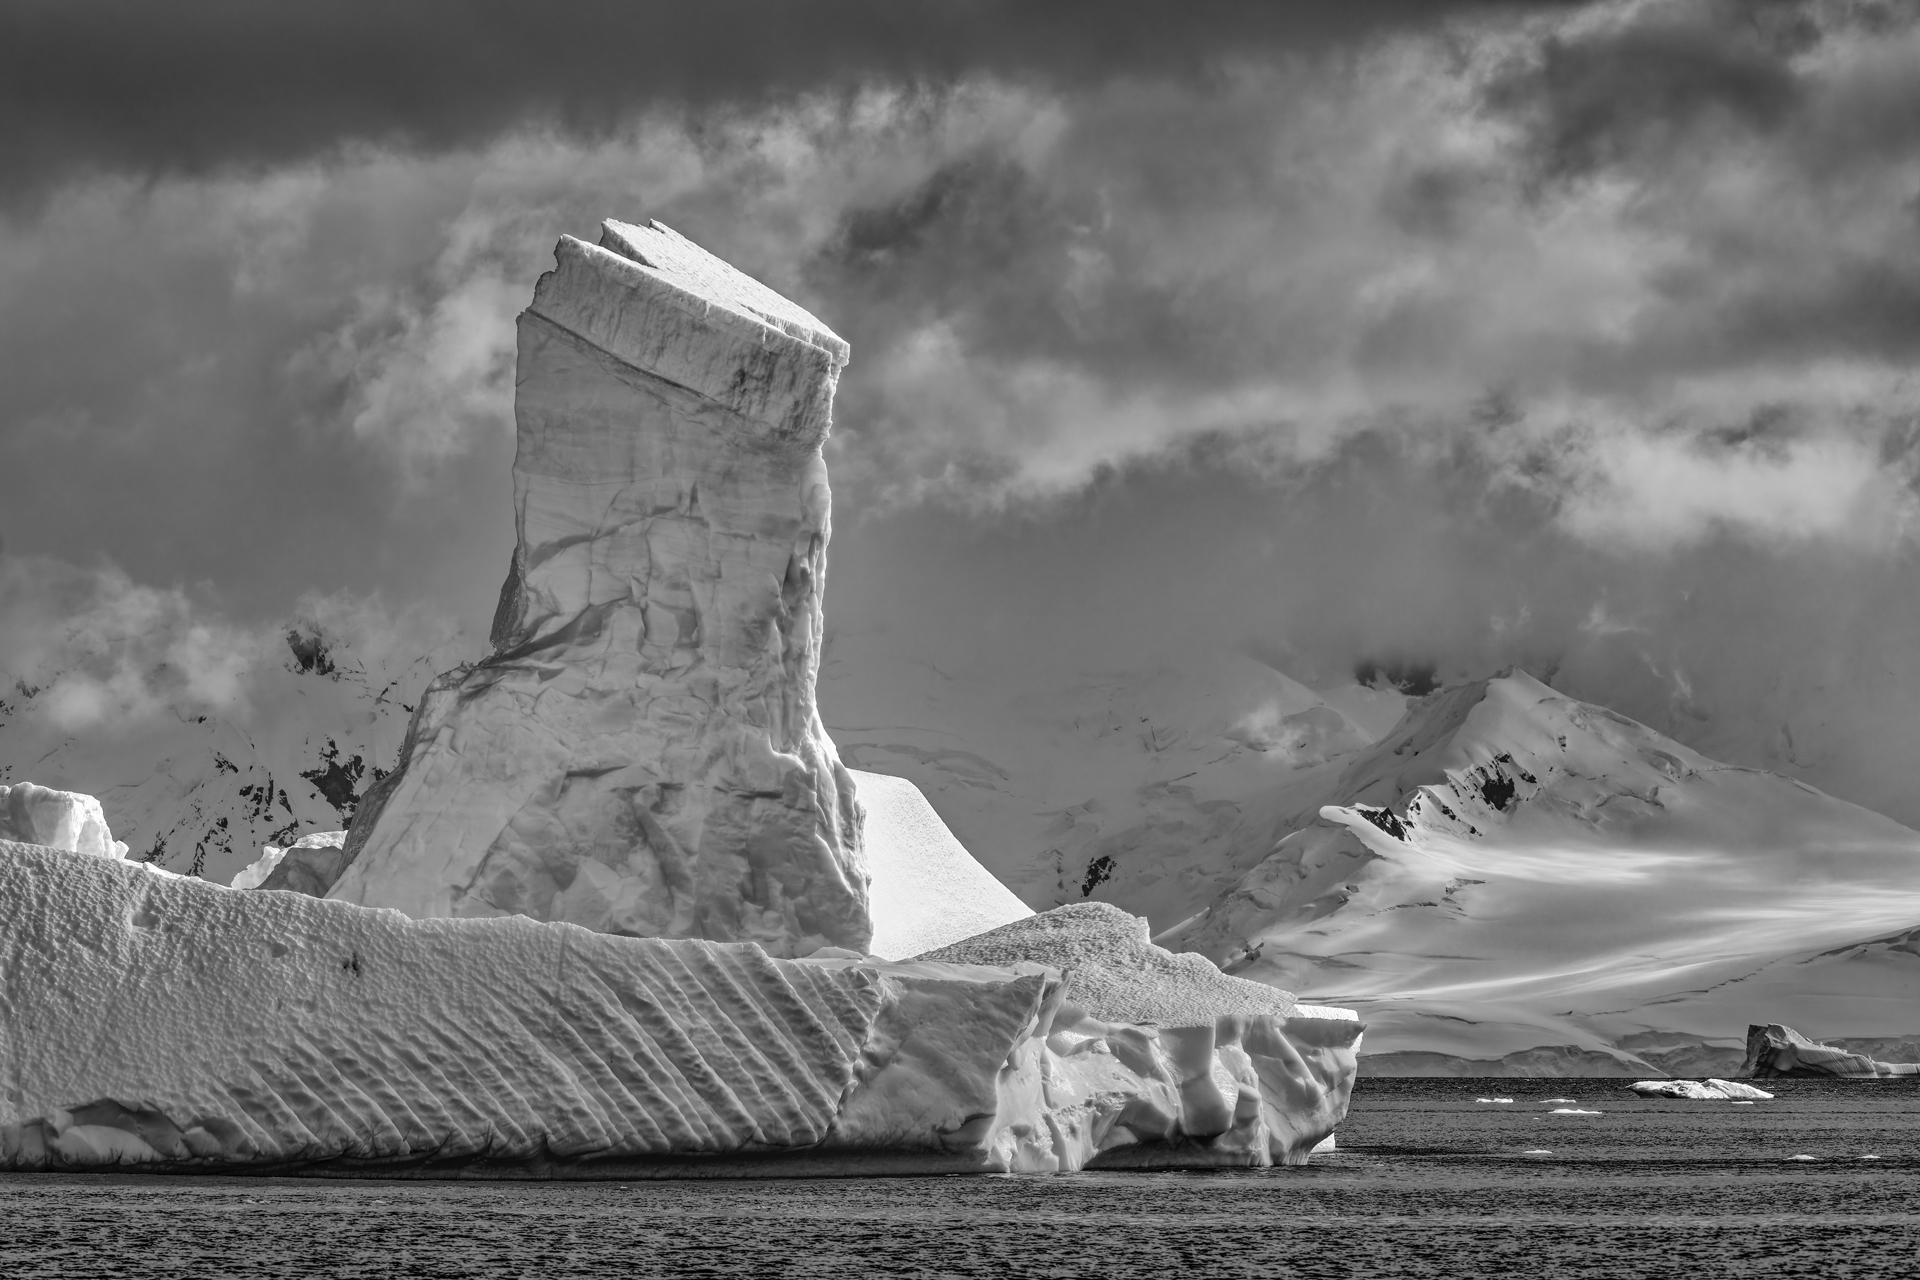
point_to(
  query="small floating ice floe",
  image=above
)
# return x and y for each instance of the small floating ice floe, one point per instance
(1572, 1111)
(1803, 1157)
(1542, 1151)
(1566, 1101)
(1869, 1157)
(1742, 1102)
(1708, 1090)
(1493, 1099)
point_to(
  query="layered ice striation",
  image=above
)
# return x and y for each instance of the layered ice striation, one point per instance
(67, 820)
(641, 753)
(1775, 1051)
(160, 1022)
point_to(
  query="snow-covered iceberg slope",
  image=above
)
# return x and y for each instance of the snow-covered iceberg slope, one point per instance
(161, 1022)
(927, 890)
(1517, 881)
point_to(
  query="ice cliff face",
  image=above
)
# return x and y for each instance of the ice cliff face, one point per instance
(641, 753)
(1513, 880)
(926, 889)
(161, 1022)
(58, 819)
(1774, 1050)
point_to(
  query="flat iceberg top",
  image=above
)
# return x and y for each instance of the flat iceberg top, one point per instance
(685, 265)
(1116, 974)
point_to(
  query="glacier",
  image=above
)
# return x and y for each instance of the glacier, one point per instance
(158, 1022)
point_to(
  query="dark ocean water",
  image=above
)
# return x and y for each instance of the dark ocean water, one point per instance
(1429, 1182)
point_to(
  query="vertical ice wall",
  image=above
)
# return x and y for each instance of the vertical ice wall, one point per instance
(641, 753)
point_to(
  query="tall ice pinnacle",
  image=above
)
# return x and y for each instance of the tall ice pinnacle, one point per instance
(641, 753)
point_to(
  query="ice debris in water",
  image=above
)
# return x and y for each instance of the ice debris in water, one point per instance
(1709, 1090)
(1571, 1111)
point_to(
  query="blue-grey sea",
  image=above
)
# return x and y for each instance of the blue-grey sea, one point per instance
(1429, 1181)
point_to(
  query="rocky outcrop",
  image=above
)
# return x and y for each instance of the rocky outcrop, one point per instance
(641, 752)
(68, 820)
(1776, 1051)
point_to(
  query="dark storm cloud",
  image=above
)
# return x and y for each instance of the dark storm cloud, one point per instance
(189, 87)
(1597, 98)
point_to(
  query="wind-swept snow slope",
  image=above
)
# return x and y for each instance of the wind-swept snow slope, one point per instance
(927, 890)
(158, 1021)
(1519, 880)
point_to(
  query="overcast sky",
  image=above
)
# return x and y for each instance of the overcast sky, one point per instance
(1580, 336)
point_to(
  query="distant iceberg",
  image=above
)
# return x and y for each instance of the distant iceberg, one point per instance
(1774, 1050)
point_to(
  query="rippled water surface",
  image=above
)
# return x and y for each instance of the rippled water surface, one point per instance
(1429, 1182)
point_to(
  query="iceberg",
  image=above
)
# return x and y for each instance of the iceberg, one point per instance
(162, 1023)
(308, 865)
(926, 889)
(1774, 1050)
(1709, 1090)
(58, 819)
(642, 752)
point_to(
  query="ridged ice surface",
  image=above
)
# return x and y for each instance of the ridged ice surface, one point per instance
(1774, 1050)
(159, 1021)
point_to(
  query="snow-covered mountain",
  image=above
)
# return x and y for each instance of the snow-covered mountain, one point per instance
(1515, 880)
(202, 792)
(1079, 788)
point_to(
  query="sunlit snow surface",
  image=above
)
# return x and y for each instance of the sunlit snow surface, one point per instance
(160, 1021)
(927, 890)
(1515, 874)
